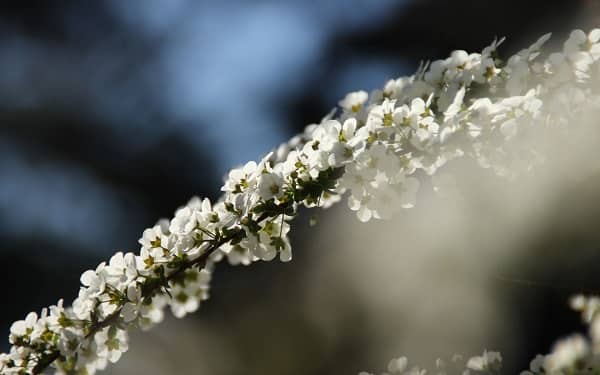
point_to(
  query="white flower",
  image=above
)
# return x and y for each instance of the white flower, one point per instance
(183, 302)
(335, 142)
(357, 177)
(455, 107)
(382, 115)
(578, 302)
(239, 254)
(581, 46)
(240, 179)
(459, 66)
(488, 360)
(361, 204)
(149, 259)
(111, 343)
(182, 223)
(354, 101)
(398, 365)
(70, 337)
(536, 365)
(197, 214)
(381, 158)
(270, 185)
(155, 237)
(189, 291)
(121, 270)
(131, 308)
(435, 73)
(152, 313)
(94, 281)
(412, 117)
(566, 353)
(23, 328)
(486, 71)
(316, 159)
(425, 132)
(381, 199)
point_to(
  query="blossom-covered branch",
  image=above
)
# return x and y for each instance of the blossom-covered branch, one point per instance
(376, 150)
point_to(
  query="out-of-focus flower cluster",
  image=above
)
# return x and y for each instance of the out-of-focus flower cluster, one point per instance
(489, 363)
(576, 354)
(377, 149)
(573, 355)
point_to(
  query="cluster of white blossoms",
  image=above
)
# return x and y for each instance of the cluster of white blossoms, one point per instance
(489, 363)
(376, 150)
(576, 354)
(573, 355)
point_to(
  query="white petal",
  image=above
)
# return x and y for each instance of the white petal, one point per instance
(129, 312)
(88, 277)
(364, 214)
(594, 35)
(509, 128)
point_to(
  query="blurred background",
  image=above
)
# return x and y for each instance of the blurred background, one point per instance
(114, 113)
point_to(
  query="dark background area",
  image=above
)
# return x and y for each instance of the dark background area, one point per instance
(115, 113)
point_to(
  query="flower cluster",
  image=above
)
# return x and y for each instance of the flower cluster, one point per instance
(576, 354)
(573, 355)
(376, 150)
(489, 363)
